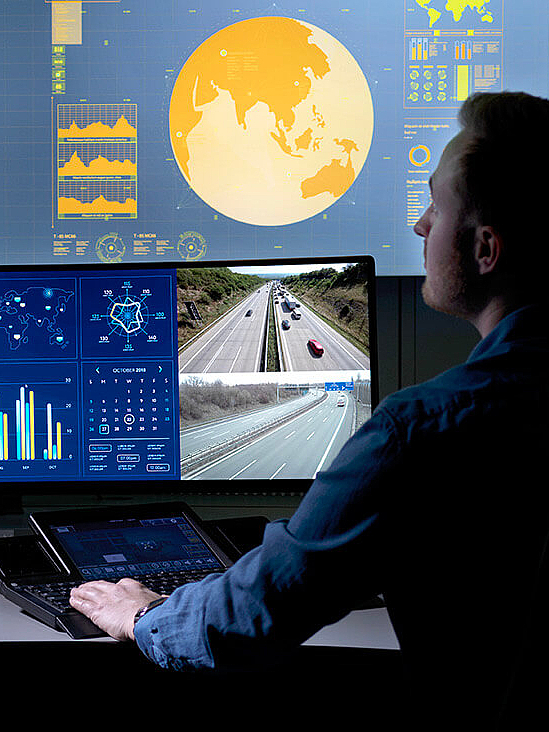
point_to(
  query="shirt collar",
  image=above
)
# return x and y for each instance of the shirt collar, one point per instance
(527, 323)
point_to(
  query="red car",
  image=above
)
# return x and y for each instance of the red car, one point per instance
(315, 347)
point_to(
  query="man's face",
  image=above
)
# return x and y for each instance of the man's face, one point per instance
(447, 275)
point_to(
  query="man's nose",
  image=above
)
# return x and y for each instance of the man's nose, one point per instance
(421, 227)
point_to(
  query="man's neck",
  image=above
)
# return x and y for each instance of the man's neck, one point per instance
(487, 319)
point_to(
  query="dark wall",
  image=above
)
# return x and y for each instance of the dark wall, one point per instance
(414, 341)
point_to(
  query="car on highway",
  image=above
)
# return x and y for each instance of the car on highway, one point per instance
(341, 402)
(296, 315)
(315, 347)
(249, 313)
(286, 324)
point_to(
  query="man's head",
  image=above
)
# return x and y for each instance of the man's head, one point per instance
(484, 233)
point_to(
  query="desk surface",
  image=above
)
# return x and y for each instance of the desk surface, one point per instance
(360, 629)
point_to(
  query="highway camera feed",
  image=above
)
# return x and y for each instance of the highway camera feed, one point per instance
(274, 368)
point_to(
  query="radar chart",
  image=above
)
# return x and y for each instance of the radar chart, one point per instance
(124, 316)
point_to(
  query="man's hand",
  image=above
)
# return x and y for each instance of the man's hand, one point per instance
(112, 606)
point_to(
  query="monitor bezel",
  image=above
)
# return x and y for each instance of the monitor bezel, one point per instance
(173, 486)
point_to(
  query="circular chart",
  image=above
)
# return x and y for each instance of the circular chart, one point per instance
(110, 248)
(127, 315)
(271, 120)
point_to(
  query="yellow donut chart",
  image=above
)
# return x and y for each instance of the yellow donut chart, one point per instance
(419, 155)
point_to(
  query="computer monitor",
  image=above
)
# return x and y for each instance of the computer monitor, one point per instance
(221, 374)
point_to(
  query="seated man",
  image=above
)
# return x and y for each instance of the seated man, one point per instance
(438, 501)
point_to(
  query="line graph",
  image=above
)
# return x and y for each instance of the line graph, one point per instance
(97, 161)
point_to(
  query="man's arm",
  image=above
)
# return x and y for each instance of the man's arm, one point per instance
(307, 573)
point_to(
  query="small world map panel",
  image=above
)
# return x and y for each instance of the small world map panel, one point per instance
(88, 375)
(173, 130)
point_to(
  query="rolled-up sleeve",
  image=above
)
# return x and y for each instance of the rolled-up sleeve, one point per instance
(308, 572)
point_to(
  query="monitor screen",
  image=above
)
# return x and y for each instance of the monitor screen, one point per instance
(202, 372)
(155, 130)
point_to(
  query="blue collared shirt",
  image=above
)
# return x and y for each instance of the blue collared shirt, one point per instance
(435, 502)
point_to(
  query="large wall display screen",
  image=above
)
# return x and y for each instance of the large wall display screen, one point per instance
(139, 130)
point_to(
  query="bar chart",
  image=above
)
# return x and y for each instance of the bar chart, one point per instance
(38, 421)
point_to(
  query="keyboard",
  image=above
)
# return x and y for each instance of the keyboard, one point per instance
(57, 593)
(48, 601)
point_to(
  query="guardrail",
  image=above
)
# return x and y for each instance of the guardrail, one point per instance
(213, 452)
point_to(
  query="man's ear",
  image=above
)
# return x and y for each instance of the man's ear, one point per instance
(488, 249)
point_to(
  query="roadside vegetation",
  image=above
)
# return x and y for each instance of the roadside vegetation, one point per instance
(213, 290)
(340, 298)
(273, 360)
(201, 402)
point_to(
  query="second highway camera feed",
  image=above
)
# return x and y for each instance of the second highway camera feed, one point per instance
(268, 355)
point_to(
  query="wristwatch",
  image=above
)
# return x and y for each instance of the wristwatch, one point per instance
(145, 609)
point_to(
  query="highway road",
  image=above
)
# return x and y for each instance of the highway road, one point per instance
(233, 343)
(297, 449)
(339, 353)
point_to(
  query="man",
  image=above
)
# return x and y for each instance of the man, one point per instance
(438, 501)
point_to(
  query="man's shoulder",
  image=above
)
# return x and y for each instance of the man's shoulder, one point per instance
(463, 389)
(506, 371)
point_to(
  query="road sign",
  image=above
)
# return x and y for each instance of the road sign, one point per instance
(338, 386)
(192, 310)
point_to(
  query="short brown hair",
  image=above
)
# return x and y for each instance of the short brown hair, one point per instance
(504, 168)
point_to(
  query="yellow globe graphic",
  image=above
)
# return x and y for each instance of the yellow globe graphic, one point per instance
(271, 120)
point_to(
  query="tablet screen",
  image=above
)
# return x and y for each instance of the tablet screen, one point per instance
(130, 547)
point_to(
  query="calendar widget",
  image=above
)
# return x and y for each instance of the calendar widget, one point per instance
(130, 419)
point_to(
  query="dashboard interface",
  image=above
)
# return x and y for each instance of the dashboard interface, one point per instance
(158, 130)
(88, 367)
(133, 547)
(258, 370)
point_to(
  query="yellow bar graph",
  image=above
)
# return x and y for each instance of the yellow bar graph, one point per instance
(462, 86)
(58, 428)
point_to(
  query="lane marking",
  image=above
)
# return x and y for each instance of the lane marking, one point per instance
(277, 471)
(242, 469)
(234, 361)
(323, 458)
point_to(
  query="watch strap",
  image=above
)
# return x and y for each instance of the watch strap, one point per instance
(145, 609)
